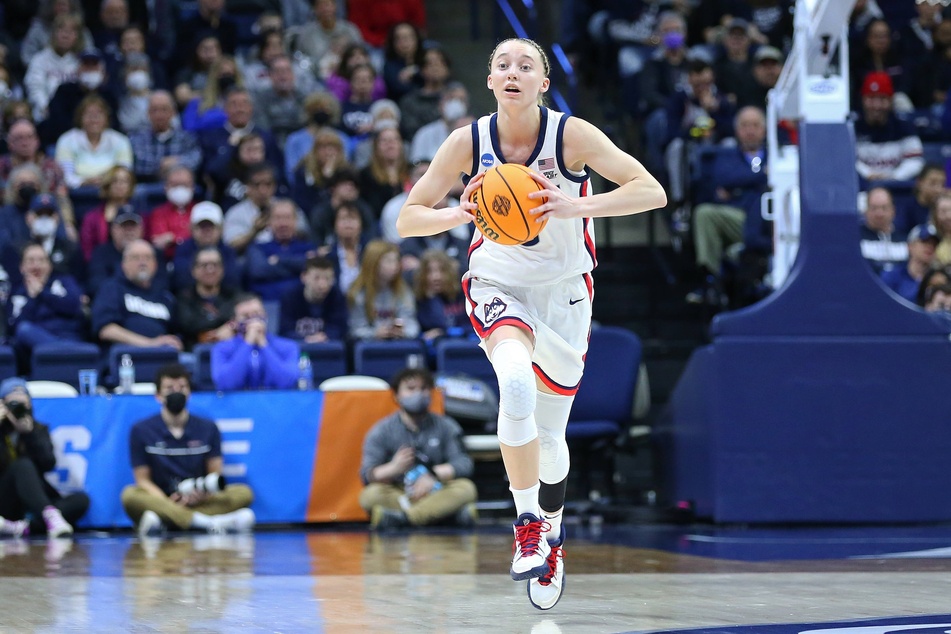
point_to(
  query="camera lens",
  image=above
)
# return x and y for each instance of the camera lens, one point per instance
(17, 408)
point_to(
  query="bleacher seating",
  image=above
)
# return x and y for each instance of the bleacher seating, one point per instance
(147, 361)
(328, 359)
(63, 361)
(464, 356)
(383, 359)
(8, 364)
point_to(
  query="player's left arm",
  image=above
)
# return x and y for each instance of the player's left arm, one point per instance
(585, 144)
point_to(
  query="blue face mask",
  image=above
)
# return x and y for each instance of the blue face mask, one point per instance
(673, 40)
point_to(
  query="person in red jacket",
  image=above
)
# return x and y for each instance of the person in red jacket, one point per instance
(374, 18)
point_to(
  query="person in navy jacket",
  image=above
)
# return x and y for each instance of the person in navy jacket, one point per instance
(276, 265)
(315, 310)
(44, 307)
(254, 358)
(131, 309)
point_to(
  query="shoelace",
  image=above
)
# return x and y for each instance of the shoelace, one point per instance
(557, 552)
(527, 537)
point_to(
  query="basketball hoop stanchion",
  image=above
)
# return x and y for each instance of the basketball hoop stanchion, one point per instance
(786, 415)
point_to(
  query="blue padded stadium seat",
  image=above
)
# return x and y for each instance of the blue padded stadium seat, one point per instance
(328, 359)
(383, 359)
(201, 379)
(147, 361)
(62, 361)
(8, 363)
(604, 403)
(464, 356)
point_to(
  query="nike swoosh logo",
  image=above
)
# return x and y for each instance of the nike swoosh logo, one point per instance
(572, 302)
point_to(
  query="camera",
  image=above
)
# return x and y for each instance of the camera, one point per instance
(211, 483)
(17, 409)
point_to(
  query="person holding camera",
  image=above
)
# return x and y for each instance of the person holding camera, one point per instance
(28, 503)
(414, 466)
(176, 463)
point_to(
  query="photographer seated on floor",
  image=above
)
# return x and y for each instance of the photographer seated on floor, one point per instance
(414, 466)
(28, 503)
(176, 463)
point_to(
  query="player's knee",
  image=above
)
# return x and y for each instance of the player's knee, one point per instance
(513, 367)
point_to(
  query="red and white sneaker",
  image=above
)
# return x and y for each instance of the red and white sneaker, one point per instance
(545, 591)
(530, 549)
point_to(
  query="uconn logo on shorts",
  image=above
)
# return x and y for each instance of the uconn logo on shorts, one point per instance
(494, 310)
(487, 160)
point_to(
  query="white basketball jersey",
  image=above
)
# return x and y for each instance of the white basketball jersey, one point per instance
(564, 248)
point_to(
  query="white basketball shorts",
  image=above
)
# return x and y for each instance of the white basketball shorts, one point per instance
(558, 316)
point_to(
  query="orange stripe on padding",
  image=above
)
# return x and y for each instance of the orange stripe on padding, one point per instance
(347, 417)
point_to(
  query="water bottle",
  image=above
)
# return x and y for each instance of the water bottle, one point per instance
(126, 374)
(409, 479)
(305, 373)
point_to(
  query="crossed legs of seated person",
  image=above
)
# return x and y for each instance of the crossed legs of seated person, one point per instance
(389, 507)
(219, 512)
(716, 227)
(29, 506)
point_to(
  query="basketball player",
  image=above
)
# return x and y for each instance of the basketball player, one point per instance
(531, 304)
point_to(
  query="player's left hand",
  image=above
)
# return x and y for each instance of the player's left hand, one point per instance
(557, 204)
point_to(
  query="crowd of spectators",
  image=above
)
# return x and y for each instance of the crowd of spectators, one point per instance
(180, 173)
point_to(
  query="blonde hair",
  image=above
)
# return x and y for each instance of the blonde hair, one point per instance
(110, 177)
(452, 285)
(378, 169)
(368, 280)
(312, 167)
(933, 215)
(210, 95)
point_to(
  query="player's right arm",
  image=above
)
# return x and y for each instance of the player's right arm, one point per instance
(418, 217)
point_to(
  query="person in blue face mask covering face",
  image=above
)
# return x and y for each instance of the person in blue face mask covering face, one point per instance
(414, 466)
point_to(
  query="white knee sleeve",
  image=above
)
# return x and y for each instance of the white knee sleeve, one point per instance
(551, 419)
(513, 367)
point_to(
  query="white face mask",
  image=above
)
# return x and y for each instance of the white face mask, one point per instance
(137, 80)
(453, 109)
(180, 196)
(44, 226)
(4, 90)
(90, 79)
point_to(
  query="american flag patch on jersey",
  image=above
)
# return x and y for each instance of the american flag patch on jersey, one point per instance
(546, 164)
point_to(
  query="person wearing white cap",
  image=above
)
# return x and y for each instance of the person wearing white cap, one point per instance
(205, 228)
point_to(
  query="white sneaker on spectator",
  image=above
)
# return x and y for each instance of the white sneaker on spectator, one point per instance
(240, 521)
(150, 524)
(56, 524)
(14, 528)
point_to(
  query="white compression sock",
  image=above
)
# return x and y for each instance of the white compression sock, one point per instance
(200, 520)
(526, 500)
(554, 520)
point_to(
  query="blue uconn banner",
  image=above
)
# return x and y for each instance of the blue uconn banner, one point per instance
(269, 442)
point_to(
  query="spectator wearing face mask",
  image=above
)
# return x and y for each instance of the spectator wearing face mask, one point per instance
(253, 359)
(169, 224)
(43, 222)
(90, 80)
(453, 105)
(24, 183)
(134, 105)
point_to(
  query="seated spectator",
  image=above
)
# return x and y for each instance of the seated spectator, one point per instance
(206, 110)
(133, 112)
(23, 143)
(343, 188)
(315, 310)
(412, 249)
(906, 280)
(734, 65)
(255, 65)
(45, 307)
(169, 224)
(938, 299)
(421, 105)
(87, 152)
(339, 81)
(132, 44)
(226, 174)
(883, 247)
(130, 309)
(113, 18)
(206, 219)
(733, 217)
(106, 261)
(355, 117)
(876, 54)
(118, 185)
(384, 113)
(929, 184)
(453, 105)
(55, 64)
(211, 19)
(276, 265)
(402, 59)
(171, 449)
(163, 144)
(323, 113)
(941, 219)
(24, 184)
(416, 438)
(190, 82)
(381, 303)
(254, 358)
(767, 66)
(44, 227)
(931, 72)
(219, 140)
(440, 304)
(278, 105)
(90, 80)
(247, 221)
(346, 244)
(387, 172)
(886, 148)
(375, 20)
(41, 27)
(324, 34)
(313, 175)
(932, 278)
(391, 210)
(27, 455)
(205, 308)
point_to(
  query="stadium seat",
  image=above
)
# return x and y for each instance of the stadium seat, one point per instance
(201, 379)
(464, 356)
(8, 363)
(328, 359)
(383, 359)
(147, 361)
(63, 361)
(604, 402)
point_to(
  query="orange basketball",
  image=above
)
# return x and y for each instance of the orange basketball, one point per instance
(503, 214)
